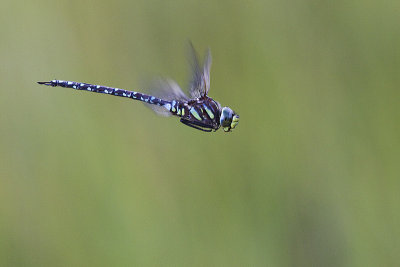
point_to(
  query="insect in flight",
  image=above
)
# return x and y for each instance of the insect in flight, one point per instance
(199, 111)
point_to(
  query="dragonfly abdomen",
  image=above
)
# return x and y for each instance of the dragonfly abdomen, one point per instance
(108, 90)
(176, 107)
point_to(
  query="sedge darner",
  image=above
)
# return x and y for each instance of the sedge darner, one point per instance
(199, 111)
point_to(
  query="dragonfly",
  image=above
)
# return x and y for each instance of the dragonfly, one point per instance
(198, 111)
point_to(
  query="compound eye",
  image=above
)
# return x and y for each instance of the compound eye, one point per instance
(226, 117)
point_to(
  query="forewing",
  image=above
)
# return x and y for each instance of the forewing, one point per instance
(206, 70)
(200, 76)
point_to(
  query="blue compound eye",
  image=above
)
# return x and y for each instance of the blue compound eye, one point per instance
(226, 117)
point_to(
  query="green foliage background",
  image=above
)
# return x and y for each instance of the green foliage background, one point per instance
(310, 177)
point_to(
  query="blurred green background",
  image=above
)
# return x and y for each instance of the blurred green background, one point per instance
(310, 177)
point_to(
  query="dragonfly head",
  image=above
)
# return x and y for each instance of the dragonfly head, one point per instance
(228, 119)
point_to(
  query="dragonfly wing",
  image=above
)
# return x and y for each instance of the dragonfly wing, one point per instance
(165, 89)
(200, 76)
(206, 70)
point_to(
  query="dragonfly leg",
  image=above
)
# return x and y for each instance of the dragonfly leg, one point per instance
(197, 125)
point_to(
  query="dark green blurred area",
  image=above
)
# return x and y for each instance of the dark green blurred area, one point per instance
(310, 177)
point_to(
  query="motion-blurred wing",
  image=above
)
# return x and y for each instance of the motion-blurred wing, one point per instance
(200, 76)
(166, 89)
(207, 69)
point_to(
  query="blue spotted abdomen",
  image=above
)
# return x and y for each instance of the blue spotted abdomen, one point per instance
(107, 90)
